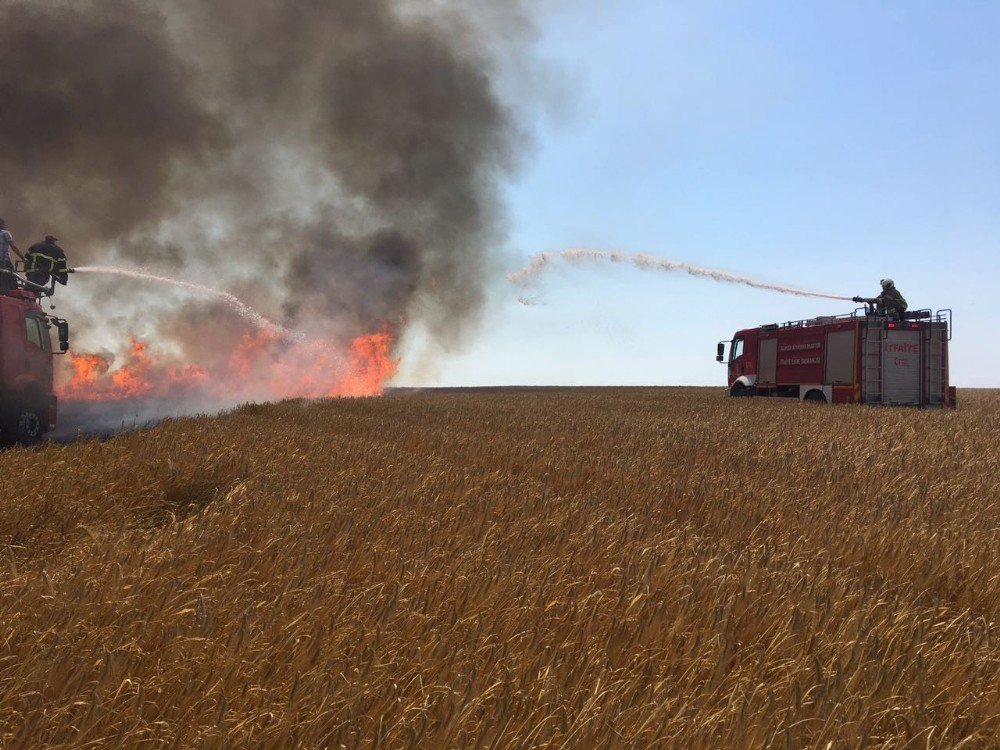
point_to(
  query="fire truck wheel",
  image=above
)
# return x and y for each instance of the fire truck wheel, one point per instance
(816, 397)
(739, 390)
(24, 426)
(29, 426)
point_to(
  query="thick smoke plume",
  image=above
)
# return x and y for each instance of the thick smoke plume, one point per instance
(335, 161)
(542, 262)
(96, 112)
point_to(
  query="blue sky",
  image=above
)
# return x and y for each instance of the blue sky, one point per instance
(822, 145)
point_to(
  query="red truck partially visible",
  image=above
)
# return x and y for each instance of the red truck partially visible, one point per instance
(28, 404)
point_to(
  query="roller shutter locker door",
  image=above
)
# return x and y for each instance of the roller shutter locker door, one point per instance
(901, 367)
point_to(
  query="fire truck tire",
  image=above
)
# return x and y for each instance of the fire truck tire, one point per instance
(739, 390)
(815, 397)
(24, 425)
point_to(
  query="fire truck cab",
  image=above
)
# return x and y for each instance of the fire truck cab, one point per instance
(27, 399)
(858, 358)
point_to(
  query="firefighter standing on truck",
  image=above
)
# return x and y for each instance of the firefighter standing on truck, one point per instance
(889, 303)
(46, 259)
(7, 281)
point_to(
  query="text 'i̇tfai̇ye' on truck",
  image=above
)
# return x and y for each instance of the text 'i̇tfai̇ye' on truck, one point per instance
(27, 393)
(859, 358)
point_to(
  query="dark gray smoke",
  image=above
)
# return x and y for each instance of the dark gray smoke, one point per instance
(339, 158)
(96, 109)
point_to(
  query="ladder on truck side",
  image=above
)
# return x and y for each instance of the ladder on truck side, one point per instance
(938, 333)
(871, 360)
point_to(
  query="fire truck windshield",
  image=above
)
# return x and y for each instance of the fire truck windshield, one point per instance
(737, 349)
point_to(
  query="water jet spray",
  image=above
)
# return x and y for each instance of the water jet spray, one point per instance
(242, 308)
(542, 262)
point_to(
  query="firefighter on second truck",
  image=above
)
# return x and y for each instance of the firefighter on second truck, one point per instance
(889, 303)
(46, 259)
(7, 246)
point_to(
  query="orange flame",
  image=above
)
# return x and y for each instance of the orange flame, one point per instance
(133, 380)
(262, 366)
(87, 370)
(371, 366)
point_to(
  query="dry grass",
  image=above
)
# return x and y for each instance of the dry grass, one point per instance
(584, 568)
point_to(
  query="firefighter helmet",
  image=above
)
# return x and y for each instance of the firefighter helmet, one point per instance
(886, 283)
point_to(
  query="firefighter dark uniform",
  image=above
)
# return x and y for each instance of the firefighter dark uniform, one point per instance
(45, 260)
(891, 302)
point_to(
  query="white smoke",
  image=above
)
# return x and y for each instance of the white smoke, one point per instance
(541, 262)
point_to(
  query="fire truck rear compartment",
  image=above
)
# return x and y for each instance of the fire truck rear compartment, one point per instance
(905, 366)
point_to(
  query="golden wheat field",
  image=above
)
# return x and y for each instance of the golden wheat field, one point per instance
(569, 568)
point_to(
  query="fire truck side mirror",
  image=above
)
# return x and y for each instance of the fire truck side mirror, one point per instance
(63, 327)
(720, 352)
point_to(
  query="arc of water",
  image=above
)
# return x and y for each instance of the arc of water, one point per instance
(542, 262)
(241, 307)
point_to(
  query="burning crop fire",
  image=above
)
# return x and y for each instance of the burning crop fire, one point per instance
(262, 366)
(273, 228)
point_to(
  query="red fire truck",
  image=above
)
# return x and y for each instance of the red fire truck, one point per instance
(27, 398)
(858, 358)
